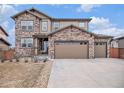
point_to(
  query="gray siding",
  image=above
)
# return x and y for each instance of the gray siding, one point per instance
(121, 43)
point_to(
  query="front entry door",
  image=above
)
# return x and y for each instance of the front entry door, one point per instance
(45, 46)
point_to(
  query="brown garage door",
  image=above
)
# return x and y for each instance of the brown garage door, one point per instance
(71, 50)
(100, 50)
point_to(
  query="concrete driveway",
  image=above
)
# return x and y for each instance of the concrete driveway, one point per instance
(87, 73)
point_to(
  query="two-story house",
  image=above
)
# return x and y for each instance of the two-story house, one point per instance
(38, 34)
(4, 44)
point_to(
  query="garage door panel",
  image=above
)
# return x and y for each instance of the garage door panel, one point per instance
(100, 50)
(71, 51)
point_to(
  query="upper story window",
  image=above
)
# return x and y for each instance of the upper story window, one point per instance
(27, 25)
(26, 42)
(44, 25)
(56, 25)
(81, 24)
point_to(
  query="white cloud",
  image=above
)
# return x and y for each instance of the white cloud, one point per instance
(11, 37)
(16, 5)
(56, 5)
(60, 5)
(6, 11)
(87, 7)
(100, 23)
(5, 24)
(104, 26)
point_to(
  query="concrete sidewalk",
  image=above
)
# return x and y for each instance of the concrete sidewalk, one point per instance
(87, 73)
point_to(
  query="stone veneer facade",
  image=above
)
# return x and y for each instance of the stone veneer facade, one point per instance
(75, 34)
(20, 34)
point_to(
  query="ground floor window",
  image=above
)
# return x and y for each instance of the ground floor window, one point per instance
(26, 42)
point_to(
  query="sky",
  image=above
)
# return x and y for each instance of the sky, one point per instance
(107, 19)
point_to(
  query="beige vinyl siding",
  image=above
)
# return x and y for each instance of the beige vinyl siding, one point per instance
(63, 24)
(3, 46)
(2, 35)
(38, 14)
(121, 43)
(86, 27)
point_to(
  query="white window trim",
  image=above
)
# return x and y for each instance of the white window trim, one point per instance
(41, 26)
(82, 23)
(56, 26)
(26, 30)
(26, 42)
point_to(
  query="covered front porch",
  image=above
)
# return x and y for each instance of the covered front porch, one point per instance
(40, 44)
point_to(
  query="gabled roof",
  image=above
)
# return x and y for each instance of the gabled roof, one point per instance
(70, 26)
(18, 14)
(4, 31)
(54, 19)
(83, 30)
(5, 41)
(103, 36)
(33, 14)
(72, 19)
(33, 9)
(118, 38)
(30, 11)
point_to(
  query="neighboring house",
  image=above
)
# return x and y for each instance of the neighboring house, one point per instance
(38, 34)
(117, 47)
(4, 44)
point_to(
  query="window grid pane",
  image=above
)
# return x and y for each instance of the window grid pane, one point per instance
(44, 25)
(24, 27)
(27, 42)
(81, 24)
(30, 28)
(27, 25)
(56, 25)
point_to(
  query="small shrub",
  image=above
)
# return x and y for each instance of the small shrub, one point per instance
(45, 60)
(10, 60)
(2, 61)
(26, 61)
(35, 61)
(17, 60)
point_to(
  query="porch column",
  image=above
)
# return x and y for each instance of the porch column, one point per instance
(36, 46)
(91, 49)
